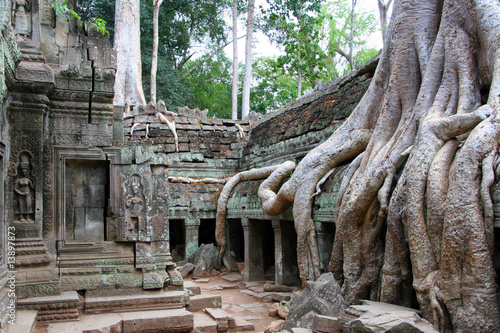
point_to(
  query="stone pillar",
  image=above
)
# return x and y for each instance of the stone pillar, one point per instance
(278, 251)
(192, 231)
(254, 256)
(324, 237)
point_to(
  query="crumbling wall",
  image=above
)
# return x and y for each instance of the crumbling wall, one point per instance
(291, 132)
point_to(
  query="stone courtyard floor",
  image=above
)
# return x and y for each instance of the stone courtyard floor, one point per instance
(246, 302)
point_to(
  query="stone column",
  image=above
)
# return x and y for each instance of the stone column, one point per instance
(254, 256)
(192, 230)
(278, 251)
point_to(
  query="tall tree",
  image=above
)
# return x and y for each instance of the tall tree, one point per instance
(234, 93)
(383, 9)
(293, 25)
(127, 42)
(247, 80)
(154, 59)
(423, 150)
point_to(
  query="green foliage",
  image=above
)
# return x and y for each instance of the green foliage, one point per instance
(211, 84)
(274, 85)
(187, 30)
(336, 32)
(95, 10)
(293, 25)
(63, 10)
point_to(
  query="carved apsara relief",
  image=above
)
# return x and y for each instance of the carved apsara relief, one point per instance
(24, 189)
(21, 12)
(134, 206)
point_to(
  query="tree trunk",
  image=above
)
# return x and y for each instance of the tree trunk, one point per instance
(154, 57)
(247, 81)
(424, 145)
(127, 42)
(383, 8)
(234, 94)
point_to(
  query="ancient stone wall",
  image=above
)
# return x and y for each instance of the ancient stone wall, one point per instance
(291, 132)
(207, 148)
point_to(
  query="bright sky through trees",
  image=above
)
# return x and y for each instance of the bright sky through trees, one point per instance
(262, 46)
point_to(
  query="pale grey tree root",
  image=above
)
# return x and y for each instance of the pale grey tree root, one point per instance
(220, 221)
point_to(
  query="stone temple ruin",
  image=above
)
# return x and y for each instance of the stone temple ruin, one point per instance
(95, 197)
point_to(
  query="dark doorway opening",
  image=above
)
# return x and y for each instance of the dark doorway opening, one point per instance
(207, 232)
(236, 241)
(268, 248)
(289, 248)
(177, 239)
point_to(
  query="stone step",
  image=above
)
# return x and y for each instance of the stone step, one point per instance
(158, 321)
(238, 324)
(204, 323)
(146, 300)
(189, 285)
(221, 317)
(63, 307)
(23, 322)
(200, 302)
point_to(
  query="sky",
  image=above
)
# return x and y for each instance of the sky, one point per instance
(262, 46)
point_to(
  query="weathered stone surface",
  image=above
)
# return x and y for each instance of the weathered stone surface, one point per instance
(238, 324)
(146, 300)
(233, 277)
(61, 307)
(193, 288)
(273, 311)
(186, 269)
(383, 317)
(326, 324)
(221, 317)
(25, 322)
(275, 326)
(204, 323)
(159, 321)
(205, 259)
(319, 297)
(280, 297)
(200, 302)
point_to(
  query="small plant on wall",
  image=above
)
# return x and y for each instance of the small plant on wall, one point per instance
(63, 10)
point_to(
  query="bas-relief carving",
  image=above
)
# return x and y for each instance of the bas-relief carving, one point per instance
(21, 12)
(134, 207)
(24, 189)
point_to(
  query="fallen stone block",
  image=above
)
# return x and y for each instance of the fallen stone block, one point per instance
(281, 297)
(189, 285)
(200, 302)
(233, 277)
(325, 324)
(159, 321)
(221, 317)
(204, 323)
(239, 324)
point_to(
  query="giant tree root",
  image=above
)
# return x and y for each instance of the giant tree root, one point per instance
(220, 221)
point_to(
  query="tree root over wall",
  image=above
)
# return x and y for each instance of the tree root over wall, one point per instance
(414, 212)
